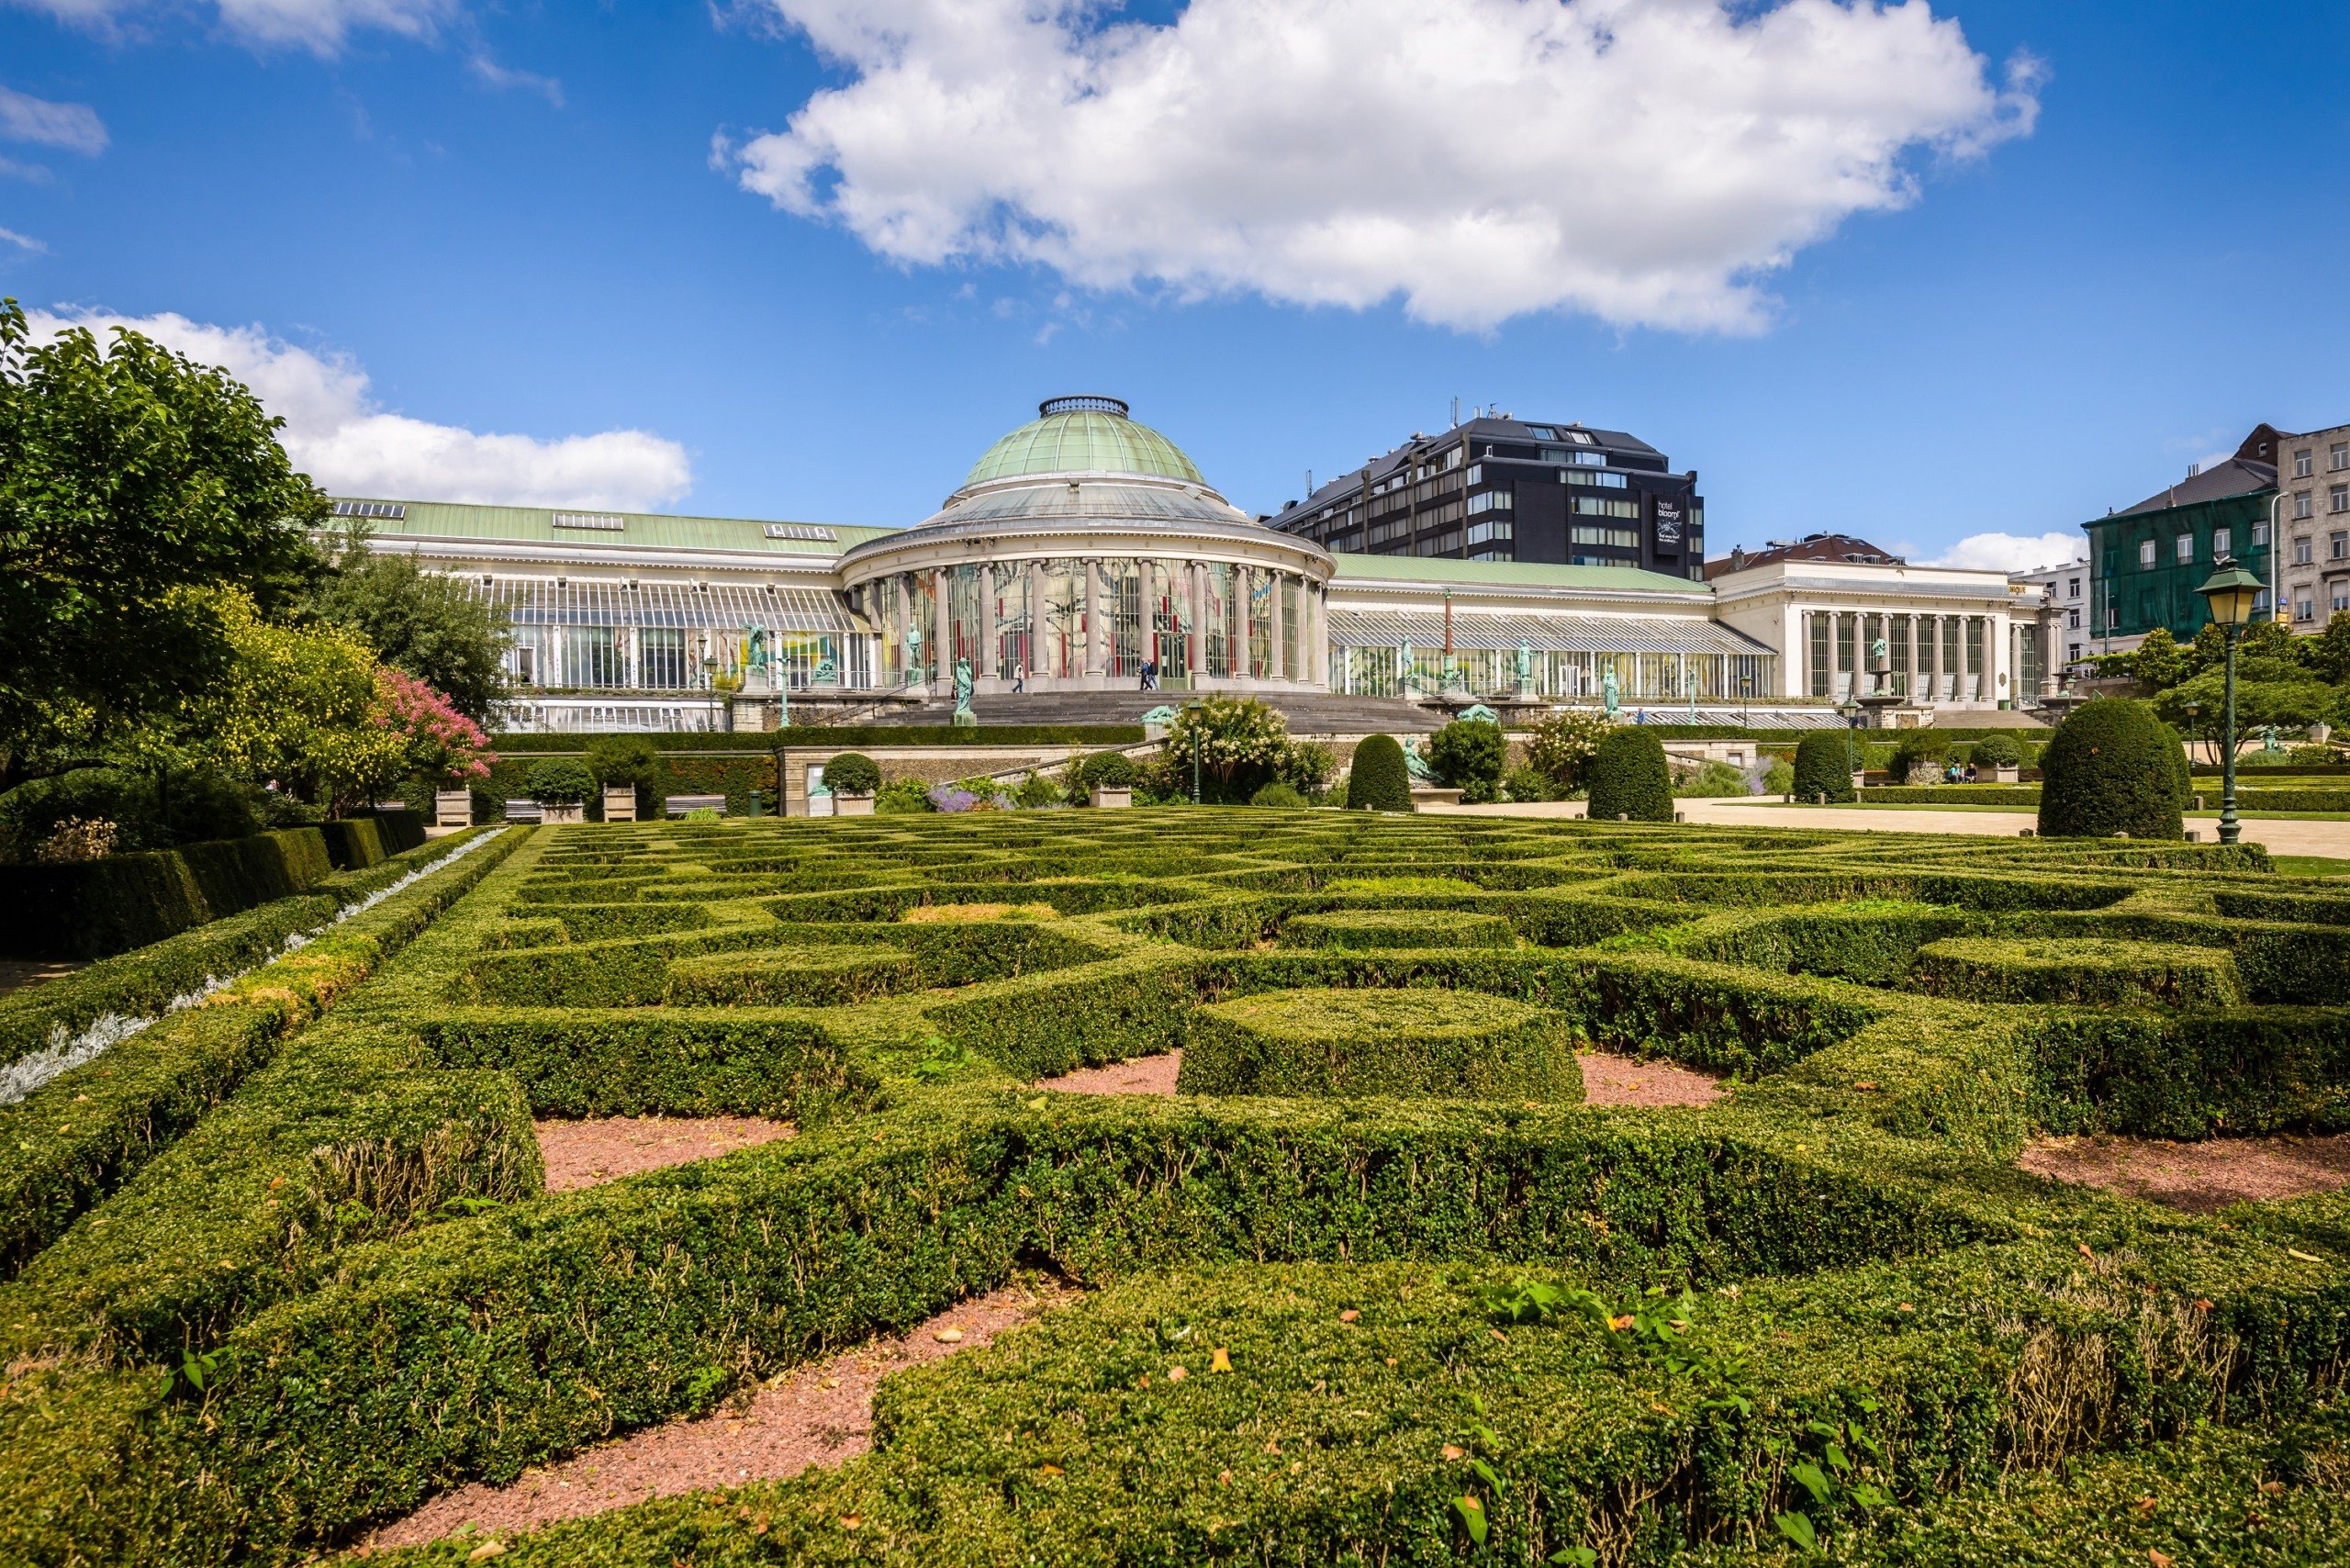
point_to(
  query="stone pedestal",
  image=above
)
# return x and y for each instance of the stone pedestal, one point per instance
(620, 802)
(820, 805)
(1109, 798)
(561, 816)
(848, 805)
(452, 808)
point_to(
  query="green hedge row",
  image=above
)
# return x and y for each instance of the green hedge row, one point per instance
(1422, 1043)
(2019, 795)
(94, 908)
(96, 1125)
(846, 737)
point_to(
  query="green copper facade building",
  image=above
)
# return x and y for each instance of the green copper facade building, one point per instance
(2147, 561)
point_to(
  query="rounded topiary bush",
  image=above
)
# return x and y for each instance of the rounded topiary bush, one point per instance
(1380, 782)
(2112, 768)
(559, 781)
(1996, 750)
(1628, 779)
(1824, 766)
(852, 773)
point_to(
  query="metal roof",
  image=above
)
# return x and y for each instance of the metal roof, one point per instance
(1082, 440)
(1141, 503)
(1510, 573)
(584, 601)
(1554, 633)
(651, 531)
(2236, 477)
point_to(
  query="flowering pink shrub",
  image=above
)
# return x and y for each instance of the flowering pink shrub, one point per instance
(442, 744)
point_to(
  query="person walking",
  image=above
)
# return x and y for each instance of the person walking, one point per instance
(1019, 677)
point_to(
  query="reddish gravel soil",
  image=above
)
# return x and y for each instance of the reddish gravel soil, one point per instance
(584, 1154)
(1610, 1080)
(17, 974)
(818, 1414)
(1143, 1075)
(2197, 1176)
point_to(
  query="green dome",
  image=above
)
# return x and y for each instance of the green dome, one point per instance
(1083, 435)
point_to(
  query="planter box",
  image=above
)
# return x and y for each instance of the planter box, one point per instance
(820, 805)
(619, 804)
(845, 805)
(559, 816)
(452, 808)
(1113, 799)
(2008, 775)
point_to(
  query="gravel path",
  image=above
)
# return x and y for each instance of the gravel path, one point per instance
(1606, 1080)
(1610, 1080)
(2197, 1176)
(584, 1154)
(1143, 1075)
(818, 1414)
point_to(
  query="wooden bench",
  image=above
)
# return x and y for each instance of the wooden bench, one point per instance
(523, 811)
(680, 804)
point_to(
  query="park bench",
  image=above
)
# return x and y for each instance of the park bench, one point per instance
(680, 804)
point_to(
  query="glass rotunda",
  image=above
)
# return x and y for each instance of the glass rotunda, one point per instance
(1081, 548)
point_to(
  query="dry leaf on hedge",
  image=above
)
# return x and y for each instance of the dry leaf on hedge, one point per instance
(1221, 1361)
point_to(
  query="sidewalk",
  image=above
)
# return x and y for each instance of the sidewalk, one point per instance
(1754, 810)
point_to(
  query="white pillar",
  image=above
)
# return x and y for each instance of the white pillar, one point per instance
(942, 647)
(1094, 663)
(987, 618)
(1278, 655)
(1195, 630)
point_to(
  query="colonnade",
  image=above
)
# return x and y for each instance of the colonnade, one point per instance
(1930, 656)
(1253, 638)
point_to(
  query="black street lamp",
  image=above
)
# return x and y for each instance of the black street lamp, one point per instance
(2229, 594)
(1745, 692)
(1192, 712)
(2193, 734)
(1851, 708)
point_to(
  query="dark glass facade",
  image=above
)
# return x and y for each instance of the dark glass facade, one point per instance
(1507, 489)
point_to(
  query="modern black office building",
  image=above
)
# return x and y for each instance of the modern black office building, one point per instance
(1501, 488)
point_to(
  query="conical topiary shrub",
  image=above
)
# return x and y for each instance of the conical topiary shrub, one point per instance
(2112, 768)
(1380, 782)
(1823, 767)
(1628, 779)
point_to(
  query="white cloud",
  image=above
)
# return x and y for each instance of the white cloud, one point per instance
(2014, 552)
(491, 74)
(1644, 161)
(75, 127)
(335, 431)
(319, 26)
(22, 241)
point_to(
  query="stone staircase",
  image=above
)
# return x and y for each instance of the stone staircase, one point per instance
(1311, 713)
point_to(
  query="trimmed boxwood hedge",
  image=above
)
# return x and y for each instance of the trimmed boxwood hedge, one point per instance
(1378, 780)
(1629, 780)
(2112, 768)
(93, 908)
(1824, 766)
(357, 1237)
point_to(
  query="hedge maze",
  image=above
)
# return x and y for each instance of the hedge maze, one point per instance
(1374, 1286)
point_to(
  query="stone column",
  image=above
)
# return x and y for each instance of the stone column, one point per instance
(1035, 616)
(942, 647)
(2052, 655)
(1196, 591)
(1093, 639)
(986, 619)
(1318, 660)
(1280, 661)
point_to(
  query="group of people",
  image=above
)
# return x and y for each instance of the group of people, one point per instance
(1955, 774)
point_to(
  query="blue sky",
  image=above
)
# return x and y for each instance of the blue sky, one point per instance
(576, 253)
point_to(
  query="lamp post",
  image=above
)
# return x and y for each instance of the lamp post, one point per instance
(2229, 594)
(2192, 711)
(1851, 708)
(1192, 713)
(1745, 693)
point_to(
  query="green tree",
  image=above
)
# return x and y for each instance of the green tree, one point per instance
(1468, 755)
(126, 473)
(1380, 782)
(1824, 766)
(419, 621)
(2263, 640)
(2159, 661)
(2112, 768)
(632, 760)
(2328, 653)
(1629, 778)
(2268, 692)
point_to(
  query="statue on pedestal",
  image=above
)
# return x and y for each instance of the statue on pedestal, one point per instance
(964, 718)
(914, 654)
(1403, 672)
(1609, 692)
(1417, 766)
(1525, 667)
(1478, 714)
